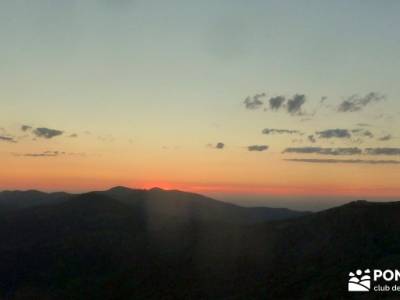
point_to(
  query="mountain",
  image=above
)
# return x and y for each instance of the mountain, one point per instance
(130, 244)
(189, 205)
(13, 200)
(157, 201)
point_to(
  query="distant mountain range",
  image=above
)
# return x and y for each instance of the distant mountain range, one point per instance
(157, 201)
(156, 244)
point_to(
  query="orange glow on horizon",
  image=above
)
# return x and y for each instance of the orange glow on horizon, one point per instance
(221, 189)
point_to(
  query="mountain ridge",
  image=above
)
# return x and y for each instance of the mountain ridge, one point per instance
(94, 246)
(154, 199)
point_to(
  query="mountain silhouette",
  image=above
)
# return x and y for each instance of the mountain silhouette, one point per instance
(14, 200)
(155, 244)
(156, 200)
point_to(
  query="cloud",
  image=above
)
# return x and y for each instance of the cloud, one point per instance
(385, 138)
(73, 135)
(48, 154)
(311, 138)
(363, 132)
(357, 103)
(219, 145)
(47, 133)
(363, 124)
(257, 147)
(254, 102)
(216, 146)
(343, 151)
(297, 141)
(280, 131)
(7, 139)
(294, 105)
(344, 161)
(26, 127)
(382, 151)
(324, 151)
(41, 154)
(334, 133)
(275, 103)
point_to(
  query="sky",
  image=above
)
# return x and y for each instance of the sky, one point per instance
(280, 103)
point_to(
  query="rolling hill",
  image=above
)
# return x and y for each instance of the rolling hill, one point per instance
(136, 244)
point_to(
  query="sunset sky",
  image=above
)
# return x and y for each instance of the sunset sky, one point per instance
(233, 99)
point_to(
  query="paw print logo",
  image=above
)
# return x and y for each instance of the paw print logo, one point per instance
(360, 281)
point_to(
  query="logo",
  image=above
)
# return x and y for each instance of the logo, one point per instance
(360, 281)
(375, 280)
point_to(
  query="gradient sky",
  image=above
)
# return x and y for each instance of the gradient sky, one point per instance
(147, 89)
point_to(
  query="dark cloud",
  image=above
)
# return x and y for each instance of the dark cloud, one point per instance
(254, 102)
(7, 139)
(219, 145)
(357, 103)
(334, 133)
(275, 103)
(382, 151)
(344, 161)
(26, 127)
(323, 99)
(311, 138)
(73, 135)
(385, 138)
(324, 151)
(280, 131)
(47, 133)
(257, 147)
(294, 104)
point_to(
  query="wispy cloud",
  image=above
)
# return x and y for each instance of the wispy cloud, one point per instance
(26, 128)
(342, 151)
(362, 132)
(334, 133)
(357, 103)
(41, 154)
(385, 138)
(363, 124)
(8, 139)
(257, 148)
(219, 146)
(324, 151)
(311, 138)
(382, 151)
(343, 161)
(280, 131)
(48, 154)
(254, 102)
